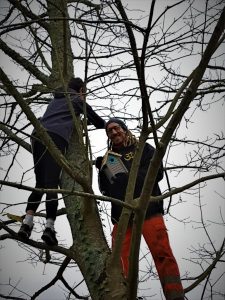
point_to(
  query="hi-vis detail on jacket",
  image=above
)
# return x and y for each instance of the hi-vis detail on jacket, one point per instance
(129, 156)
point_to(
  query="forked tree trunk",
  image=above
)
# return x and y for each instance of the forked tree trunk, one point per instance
(90, 249)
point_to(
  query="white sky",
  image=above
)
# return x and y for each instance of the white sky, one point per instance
(182, 236)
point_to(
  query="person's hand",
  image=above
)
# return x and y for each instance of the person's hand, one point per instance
(98, 162)
(119, 185)
(121, 178)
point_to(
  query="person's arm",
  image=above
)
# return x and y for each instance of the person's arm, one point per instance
(103, 182)
(92, 117)
(147, 155)
(116, 188)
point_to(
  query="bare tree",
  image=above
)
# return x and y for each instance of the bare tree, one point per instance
(160, 68)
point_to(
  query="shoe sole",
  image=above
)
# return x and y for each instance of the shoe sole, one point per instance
(48, 240)
(23, 235)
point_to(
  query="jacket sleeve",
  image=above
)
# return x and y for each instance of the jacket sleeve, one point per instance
(92, 116)
(103, 184)
(147, 155)
(115, 188)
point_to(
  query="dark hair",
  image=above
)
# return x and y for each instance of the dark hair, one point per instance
(76, 84)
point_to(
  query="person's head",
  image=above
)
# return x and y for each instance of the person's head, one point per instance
(118, 133)
(77, 85)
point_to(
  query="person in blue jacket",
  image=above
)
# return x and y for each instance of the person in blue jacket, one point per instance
(58, 122)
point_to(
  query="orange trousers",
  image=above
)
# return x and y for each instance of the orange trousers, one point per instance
(156, 237)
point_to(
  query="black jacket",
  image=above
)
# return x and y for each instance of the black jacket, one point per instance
(58, 118)
(117, 189)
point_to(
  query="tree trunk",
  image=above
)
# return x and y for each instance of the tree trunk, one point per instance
(61, 53)
(90, 249)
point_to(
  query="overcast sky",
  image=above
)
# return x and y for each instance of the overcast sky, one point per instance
(184, 236)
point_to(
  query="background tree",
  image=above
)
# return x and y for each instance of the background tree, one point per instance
(160, 68)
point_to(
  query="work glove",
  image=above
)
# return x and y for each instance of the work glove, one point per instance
(98, 162)
(121, 179)
(119, 185)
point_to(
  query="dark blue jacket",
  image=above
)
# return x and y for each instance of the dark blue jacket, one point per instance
(117, 189)
(58, 118)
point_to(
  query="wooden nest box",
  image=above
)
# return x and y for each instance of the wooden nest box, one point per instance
(113, 165)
